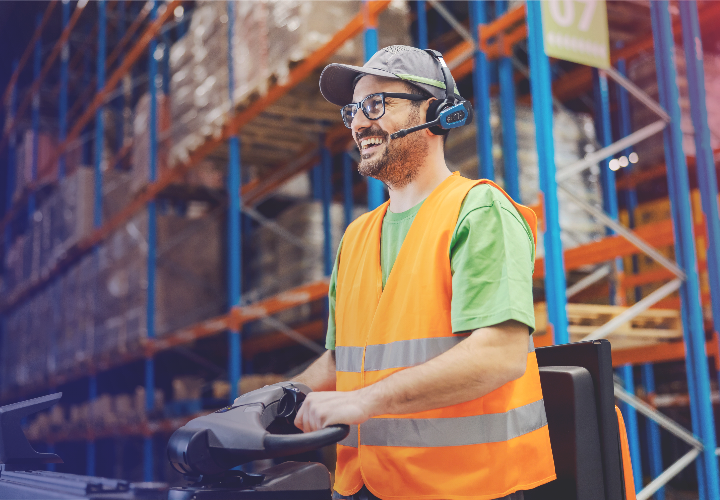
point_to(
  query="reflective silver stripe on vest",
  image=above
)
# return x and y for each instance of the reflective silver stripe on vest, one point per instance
(405, 353)
(352, 438)
(435, 432)
(399, 354)
(348, 359)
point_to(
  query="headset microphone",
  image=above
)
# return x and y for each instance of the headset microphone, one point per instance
(451, 112)
(406, 131)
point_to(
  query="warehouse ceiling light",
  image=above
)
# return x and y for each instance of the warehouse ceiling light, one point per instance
(623, 161)
(634, 157)
(614, 164)
(179, 12)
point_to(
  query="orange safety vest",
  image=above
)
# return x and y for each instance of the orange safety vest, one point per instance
(482, 449)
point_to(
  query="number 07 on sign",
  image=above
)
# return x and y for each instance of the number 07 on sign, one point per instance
(577, 31)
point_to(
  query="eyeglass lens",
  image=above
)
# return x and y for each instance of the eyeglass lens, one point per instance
(373, 106)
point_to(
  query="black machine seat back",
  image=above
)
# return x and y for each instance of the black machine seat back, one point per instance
(577, 385)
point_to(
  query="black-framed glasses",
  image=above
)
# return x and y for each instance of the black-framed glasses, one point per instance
(373, 106)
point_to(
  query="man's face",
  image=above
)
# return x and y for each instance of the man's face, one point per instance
(394, 162)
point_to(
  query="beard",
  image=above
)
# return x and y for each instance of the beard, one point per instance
(399, 163)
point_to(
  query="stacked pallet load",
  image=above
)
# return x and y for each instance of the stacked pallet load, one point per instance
(641, 71)
(96, 310)
(292, 257)
(270, 39)
(574, 135)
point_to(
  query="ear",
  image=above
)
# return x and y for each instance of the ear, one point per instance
(432, 114)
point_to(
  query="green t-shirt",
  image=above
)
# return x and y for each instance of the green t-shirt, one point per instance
(492, 257)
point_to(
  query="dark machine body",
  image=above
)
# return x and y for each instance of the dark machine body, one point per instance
(256, 426)
(577, 389)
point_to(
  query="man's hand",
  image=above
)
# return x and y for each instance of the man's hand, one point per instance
(321, 409)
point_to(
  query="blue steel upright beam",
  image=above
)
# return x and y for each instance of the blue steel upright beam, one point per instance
(543, 116)
(9, 189)
(647, 379)
(148, 454)
(652, 431)
(62, 131)
(326, 183)
(348, 198)
(603, 125)
(63, 98)
(97, 209)
(604, 128)
(481, 89)
(376, 189)
(705, 163)
(625, 128)
(422, 27)
(37, 63)
(234, 248)
(691, 310)
(506, 83)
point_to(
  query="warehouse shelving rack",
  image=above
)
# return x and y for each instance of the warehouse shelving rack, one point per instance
(488, 40)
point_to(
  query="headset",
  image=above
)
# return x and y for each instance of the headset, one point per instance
(442, 116)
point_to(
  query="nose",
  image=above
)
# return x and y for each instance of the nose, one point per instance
(360, 122)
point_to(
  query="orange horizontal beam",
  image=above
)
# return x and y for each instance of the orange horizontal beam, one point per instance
(314, 330)
(502, 23)
(171, 175)
(99, 99)
(238, 316)
(79, 102)
(49, 61)
(28, 50)
(658, 234)
(304, 69)
(658, 353)
(133, 55)
(576, 82)
(251, 192)
(145, 428)
(272, 305)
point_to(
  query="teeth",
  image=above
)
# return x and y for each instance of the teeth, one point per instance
(370, 141)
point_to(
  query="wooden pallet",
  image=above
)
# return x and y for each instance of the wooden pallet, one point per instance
(652, 327)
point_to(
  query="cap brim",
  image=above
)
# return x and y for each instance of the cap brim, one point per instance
(336, 81)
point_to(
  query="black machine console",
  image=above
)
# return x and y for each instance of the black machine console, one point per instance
(258, 425)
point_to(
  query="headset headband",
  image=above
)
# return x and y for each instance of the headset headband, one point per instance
(450, 94)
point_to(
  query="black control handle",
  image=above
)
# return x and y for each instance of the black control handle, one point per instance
(291, 444)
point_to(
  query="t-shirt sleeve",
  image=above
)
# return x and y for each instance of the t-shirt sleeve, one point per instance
(492, 260)
(332, 293)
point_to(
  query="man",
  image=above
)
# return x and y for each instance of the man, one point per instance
(428, 358)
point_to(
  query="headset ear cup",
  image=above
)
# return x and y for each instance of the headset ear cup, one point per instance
(470, 112)
(432, 113)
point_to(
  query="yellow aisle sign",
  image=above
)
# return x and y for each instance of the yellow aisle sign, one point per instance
(577, 31)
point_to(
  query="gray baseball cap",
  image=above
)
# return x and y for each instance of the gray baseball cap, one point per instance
(400, 62)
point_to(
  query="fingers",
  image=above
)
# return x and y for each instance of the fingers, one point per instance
(312, 414)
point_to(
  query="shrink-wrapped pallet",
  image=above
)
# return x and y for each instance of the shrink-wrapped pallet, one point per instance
(642, 72)
(574, 136)
(277, 265)
(24, 160)
(77, 200)
(269, 38)
(14, 264)
(191, 283)
(140, 165)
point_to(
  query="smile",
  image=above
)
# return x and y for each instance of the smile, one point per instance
(370, 142)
